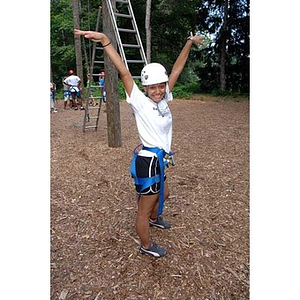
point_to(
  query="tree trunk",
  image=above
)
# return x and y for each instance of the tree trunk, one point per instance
(111, 83)
(224, 31)
(86, 58)
(79, 68)
(148, 31)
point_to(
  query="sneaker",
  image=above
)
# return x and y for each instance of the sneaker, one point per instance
(153, 250)
(81, 108)
(159, 223)
(76, 108)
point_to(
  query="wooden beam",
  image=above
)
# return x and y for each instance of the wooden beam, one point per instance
(111, 82)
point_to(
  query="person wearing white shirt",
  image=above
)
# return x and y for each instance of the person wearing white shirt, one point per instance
(74, 82)
(154, 123)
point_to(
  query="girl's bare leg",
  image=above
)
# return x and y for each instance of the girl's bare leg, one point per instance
(153, 215)
(146, 205)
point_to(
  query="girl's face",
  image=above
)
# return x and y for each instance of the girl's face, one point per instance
(155, 91)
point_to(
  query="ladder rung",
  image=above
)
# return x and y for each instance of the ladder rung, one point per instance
(99, 62)
(127, 30)
(136, 77)
(91, 126)
(131, 46)
(123, 16)
(122, 1)
(96, 117)
(93, 107)
(135, 61)
(99, 97)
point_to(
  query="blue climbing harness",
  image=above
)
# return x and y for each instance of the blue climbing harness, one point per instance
(67, 93)
(148, 181)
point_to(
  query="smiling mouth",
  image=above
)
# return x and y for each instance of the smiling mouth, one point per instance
(157, 98)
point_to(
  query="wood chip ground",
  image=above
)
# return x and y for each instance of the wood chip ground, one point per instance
(94, 245)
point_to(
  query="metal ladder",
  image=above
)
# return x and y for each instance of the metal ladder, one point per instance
(128, 37)
(130, 48)
(92, 113)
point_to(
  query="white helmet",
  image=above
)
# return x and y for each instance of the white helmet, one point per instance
(153, 73)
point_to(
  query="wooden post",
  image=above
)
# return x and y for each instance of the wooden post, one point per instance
(111, 83)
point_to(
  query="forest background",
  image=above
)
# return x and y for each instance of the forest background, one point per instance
(221, 68)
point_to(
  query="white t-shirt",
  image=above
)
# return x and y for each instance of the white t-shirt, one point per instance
(153, 120)
(72, 80)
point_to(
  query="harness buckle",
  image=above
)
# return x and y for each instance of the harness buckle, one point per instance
(170, 159)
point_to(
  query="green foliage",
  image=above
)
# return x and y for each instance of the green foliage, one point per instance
(59, 94)
(122, 94)
(62, 40)
(230, 95)
(185, 91)
(179, 18)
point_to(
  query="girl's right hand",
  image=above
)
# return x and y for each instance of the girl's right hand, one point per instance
(93, 35)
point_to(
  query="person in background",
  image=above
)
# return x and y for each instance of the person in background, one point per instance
(66, 94)
(74, 82)
(102, 86)
(52, 98)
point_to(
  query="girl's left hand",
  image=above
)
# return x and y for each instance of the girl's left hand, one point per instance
(198, 40)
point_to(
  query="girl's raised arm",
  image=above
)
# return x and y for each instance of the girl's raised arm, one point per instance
(182, 58)
(112, 54)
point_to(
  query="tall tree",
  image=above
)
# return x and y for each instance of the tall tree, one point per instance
(62, 39)
(148, 30)
(227, 60)
(223, 42)
(79, 68)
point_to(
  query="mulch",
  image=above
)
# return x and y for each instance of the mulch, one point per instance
(94, 245)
